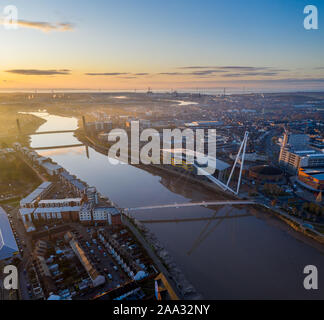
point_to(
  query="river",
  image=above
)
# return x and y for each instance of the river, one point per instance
(238, 254)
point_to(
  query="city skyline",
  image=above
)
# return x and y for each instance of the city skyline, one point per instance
(183, 45)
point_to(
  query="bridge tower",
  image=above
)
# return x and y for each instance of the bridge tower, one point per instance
(239, 158)
(84, 124)
(18, 126)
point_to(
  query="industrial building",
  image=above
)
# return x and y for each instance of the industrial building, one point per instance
(311, 178)
(199, 165)
(296, 153)
(265, 173)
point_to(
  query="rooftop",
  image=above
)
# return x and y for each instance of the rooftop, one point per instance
(57, 201)
(58, 209)
(36, 193)
(8, 245)
(317, 173)
(110, 210)
(51, 166)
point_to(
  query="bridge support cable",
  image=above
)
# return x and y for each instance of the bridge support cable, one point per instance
(242, 162)
(242, 151)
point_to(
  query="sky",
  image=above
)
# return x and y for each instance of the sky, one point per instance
(169, 44)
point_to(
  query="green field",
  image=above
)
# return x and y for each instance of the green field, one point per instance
(16, 178)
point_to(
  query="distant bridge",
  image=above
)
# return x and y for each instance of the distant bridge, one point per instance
(193, 204)
(59, 147)
(48, 132)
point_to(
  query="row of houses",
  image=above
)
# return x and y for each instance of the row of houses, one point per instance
(127, 253)
(47, 164)
(73, 183)
(35, 208)
(6, 151)
(85, 208)
(97, 279)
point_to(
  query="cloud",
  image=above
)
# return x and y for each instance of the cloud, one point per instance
(278, 81)
(250, 74)
(45, 26)
(231, 71)
(230, 68)
(106, 73)
(244, 68)
(195, 67)
(123, 75)
(130, 77)
(205, 72)
(201, 72)
(219, 68)
(171, 73)
(297, 80)
(36, 72)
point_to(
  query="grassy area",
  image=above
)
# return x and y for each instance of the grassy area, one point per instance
(16, 178)
(13, 201)
(8, 127)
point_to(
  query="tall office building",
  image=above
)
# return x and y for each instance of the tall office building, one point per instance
(296, 153)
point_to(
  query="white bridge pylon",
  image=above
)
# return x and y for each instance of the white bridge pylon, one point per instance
(226, 186)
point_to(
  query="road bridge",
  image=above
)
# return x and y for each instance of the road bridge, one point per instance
(59, 147)
(48, 132)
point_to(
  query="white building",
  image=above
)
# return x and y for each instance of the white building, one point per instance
(294, 160)
(37, 194)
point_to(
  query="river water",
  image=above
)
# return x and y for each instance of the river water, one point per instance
(238, 253)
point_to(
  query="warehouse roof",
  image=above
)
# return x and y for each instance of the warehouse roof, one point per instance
(8, 245)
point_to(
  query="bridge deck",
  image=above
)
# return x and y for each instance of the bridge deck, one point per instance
(192, 204)
(47, 132)
(58, 147)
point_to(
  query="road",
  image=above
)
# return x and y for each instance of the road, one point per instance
(23, 237)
